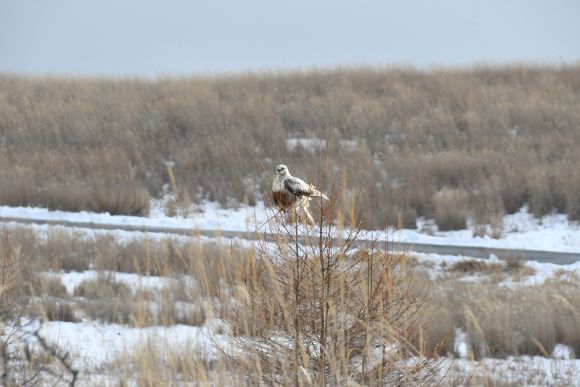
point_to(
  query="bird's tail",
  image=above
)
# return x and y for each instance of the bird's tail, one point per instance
(318, 194)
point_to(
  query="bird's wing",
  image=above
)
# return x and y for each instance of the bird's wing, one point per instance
(299, 187)
(296, 186)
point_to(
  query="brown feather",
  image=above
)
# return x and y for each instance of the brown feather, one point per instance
(284, 199)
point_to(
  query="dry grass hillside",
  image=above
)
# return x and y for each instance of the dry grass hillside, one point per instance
(441, 143)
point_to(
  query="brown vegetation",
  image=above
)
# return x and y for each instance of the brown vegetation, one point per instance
(506, 136)
(502, 321)
(25, 357)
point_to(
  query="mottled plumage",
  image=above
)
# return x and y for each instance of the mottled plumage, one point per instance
(291, 192)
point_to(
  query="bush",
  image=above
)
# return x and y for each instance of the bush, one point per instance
(326, 312)
(451, 209)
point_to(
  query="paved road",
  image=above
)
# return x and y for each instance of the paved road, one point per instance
(470, 251)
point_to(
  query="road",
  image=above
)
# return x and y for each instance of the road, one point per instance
(560, 258)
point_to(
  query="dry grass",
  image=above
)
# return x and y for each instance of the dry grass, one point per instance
(513, 271)
(513, 128)
(155, 365)
(470, 266)
(451, 209)
(502, 321)
(108, 300)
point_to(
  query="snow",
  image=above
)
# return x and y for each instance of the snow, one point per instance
(309, 144)
(460, 344)
(93, 345)
(212, 217)
(562, 351)
(349, 145)
(521, 231)
(521, 371)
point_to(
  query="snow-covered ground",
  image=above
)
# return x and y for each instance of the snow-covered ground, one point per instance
(92, 345)
(521, 230)
(96, 345)
(95, 348)
(99, 351)
(521, 371)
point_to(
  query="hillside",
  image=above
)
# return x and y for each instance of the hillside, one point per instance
(406, 143)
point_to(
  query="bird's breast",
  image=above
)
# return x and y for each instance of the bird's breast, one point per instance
(278, 183)
(282, 198)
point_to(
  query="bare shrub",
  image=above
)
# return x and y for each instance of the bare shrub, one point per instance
(108, 300)
(451, 209)
(103, 287)
(569, 180)
(470, 266)
(487, 209)
(44, 286)
(543, 193)
(57, 310)
(57, 250)
(315, 311)
(121, 200)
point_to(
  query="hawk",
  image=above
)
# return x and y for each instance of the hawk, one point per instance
(290, 192)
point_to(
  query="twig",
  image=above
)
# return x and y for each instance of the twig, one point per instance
(63, 359)
(269, 219)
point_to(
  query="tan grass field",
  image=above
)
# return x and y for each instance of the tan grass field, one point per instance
(495, 137)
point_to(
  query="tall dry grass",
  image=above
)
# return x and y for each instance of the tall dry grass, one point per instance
(502, 321)
(103, 145)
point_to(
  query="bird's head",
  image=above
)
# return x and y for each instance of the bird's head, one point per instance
(282, 170)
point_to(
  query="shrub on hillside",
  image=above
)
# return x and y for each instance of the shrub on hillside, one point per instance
(451, 209)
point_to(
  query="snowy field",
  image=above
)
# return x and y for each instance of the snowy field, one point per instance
(97, 346)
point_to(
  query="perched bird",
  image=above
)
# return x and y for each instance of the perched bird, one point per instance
(290, 192)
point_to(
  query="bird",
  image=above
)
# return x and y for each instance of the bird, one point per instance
(290, 192)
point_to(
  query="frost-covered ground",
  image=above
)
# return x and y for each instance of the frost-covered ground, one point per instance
(520, 231)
